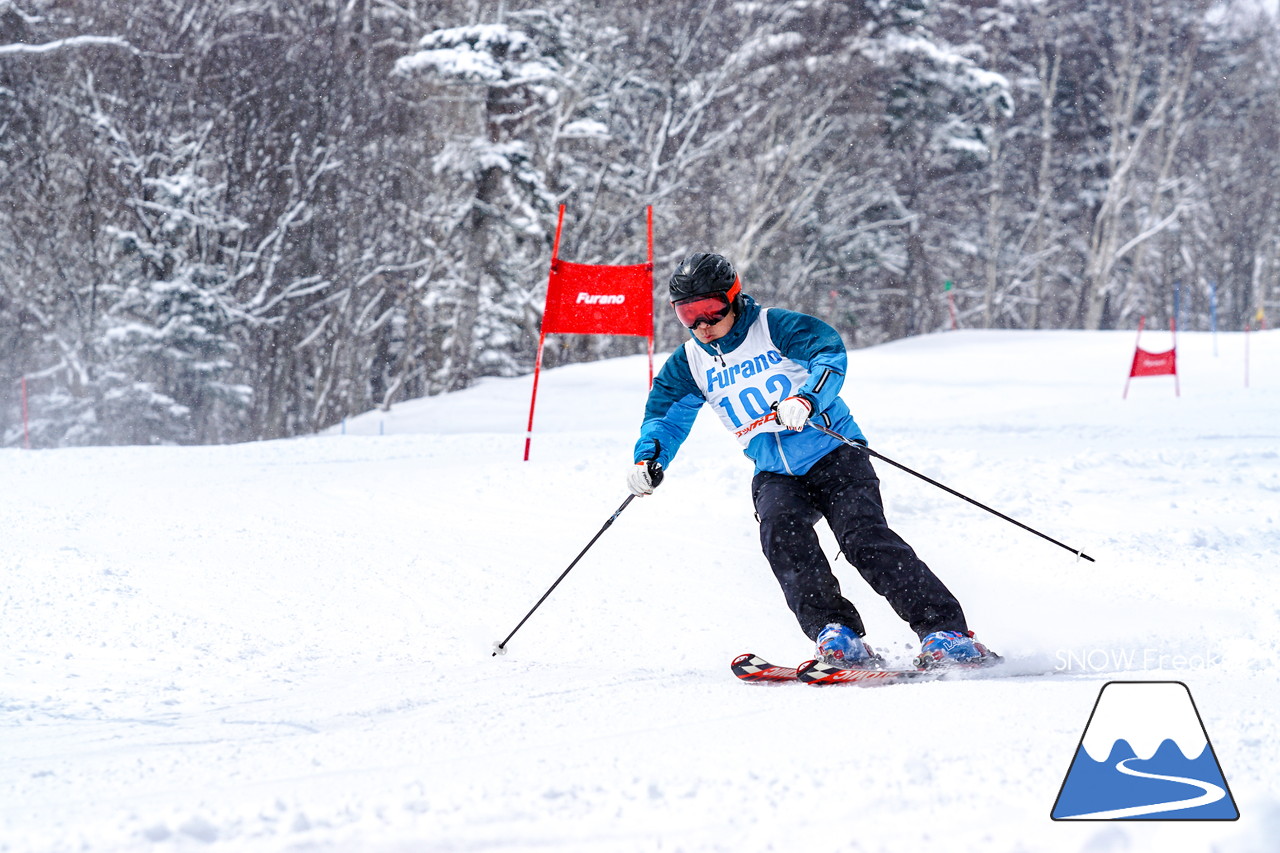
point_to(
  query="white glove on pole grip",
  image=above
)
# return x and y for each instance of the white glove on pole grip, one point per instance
(793, 412)
(644, 477)
(646, 474)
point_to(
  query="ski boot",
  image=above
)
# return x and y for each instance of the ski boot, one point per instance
(952, 648)
(840, 647)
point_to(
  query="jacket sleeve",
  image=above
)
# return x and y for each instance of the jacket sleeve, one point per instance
(673, 405)
(812, 343)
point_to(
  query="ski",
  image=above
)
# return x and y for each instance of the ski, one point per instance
(748, 667)
(819, 673)
(753, 668)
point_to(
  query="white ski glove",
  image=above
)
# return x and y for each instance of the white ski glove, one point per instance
(644, 477)
(793, 412)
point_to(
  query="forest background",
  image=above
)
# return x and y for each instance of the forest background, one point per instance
(228, 220)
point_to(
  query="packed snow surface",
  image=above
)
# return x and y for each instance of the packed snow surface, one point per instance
(285, 646)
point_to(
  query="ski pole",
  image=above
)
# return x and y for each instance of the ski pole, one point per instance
(820, 428)
(501, 648)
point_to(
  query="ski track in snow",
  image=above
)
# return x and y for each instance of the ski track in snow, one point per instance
(285, 646)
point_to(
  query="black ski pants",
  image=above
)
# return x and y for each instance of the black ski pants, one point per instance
(843, 488)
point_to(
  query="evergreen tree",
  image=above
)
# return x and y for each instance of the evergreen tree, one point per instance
(166, 346)
(484, 298)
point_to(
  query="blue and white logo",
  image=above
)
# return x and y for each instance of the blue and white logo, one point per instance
(1145, 755)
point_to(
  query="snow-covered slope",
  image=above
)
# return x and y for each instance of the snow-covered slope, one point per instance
(285, 645)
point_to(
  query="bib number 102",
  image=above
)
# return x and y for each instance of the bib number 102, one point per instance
(752, 401)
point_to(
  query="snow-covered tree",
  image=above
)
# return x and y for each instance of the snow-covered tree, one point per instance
(1147, 69)
(1229, 248)
(911, 107)
(499, 213)
(167, 345)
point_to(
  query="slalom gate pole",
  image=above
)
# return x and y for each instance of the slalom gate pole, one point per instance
(501, 648)
(820, 428)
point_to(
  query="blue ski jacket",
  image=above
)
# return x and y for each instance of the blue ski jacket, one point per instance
(783, 349)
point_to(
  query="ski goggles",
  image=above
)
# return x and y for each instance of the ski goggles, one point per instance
(709, 308)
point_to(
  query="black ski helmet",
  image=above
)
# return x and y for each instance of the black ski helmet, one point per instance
(702, 273)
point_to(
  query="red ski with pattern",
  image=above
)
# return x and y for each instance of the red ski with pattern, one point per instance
(753, 668)
(748, 667)
(817, 672)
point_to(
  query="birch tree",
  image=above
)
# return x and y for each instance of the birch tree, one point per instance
(1147, 68)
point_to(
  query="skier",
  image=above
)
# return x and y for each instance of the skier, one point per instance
(766, 372)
